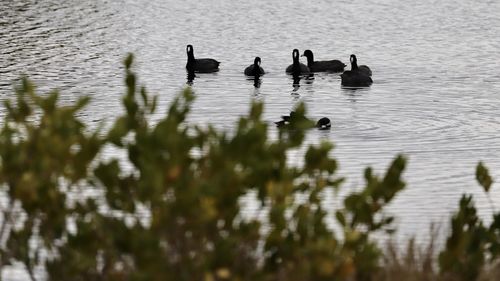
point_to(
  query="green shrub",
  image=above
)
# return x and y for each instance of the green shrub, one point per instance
(471, 242)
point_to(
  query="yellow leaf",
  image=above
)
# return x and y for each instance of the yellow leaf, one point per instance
(326, 267)
(223, 273)
(208, 207)
(347, 269)
(209, 277)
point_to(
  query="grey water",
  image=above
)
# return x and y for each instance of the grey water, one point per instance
(436, 71)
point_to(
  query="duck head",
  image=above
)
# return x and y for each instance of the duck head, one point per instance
(295, 56)
(190, 51)
(323, 123)
(256, 62)
(309, 55)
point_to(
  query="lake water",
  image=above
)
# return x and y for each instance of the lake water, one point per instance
(436, 72)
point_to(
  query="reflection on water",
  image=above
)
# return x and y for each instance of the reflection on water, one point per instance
(296, 83)
(308, 80)
(190, 78)
(257, 81)
(354, 93)
(434, 97)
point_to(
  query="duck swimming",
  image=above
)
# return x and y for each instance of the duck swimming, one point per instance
(323, 123)
(285, 120)
(204, 65)
(322, 66)
(357, 76)
(254, 69)
(297, 68)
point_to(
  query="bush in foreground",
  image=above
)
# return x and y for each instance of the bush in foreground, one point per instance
(176, 214)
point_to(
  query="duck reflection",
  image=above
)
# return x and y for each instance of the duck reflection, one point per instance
(353, 93)
(309, 78)
(257, 81)
(295, 83)
(190, 78)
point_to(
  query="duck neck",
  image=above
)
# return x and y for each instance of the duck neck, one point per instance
(295, 56)
(256, 64)
(191, 61)
(190, 56)
(354, 65)
(310, 59)
(256, 69)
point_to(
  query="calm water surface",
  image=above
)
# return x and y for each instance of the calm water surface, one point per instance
(435, 97)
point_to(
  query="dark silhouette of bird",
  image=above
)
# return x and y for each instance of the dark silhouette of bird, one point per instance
(204, 65)
(297, 68)
(322, 66)
(287, 121)
(357, 76)
(254, 69)
(324, 124)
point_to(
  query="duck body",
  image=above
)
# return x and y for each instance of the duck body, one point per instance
(285, 120)
(327, 66)
(365, 69)
(254, 69)
(323, 123)
(297, 68)
(203, 65)
(356, 77)
(323, 66)
(301, 69)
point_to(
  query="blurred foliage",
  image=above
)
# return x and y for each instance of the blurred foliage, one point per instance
(174, 211)
(471, 243)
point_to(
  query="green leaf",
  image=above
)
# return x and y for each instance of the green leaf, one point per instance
(483, 177)
(341, 218)
(119, 130)
(128, 61)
